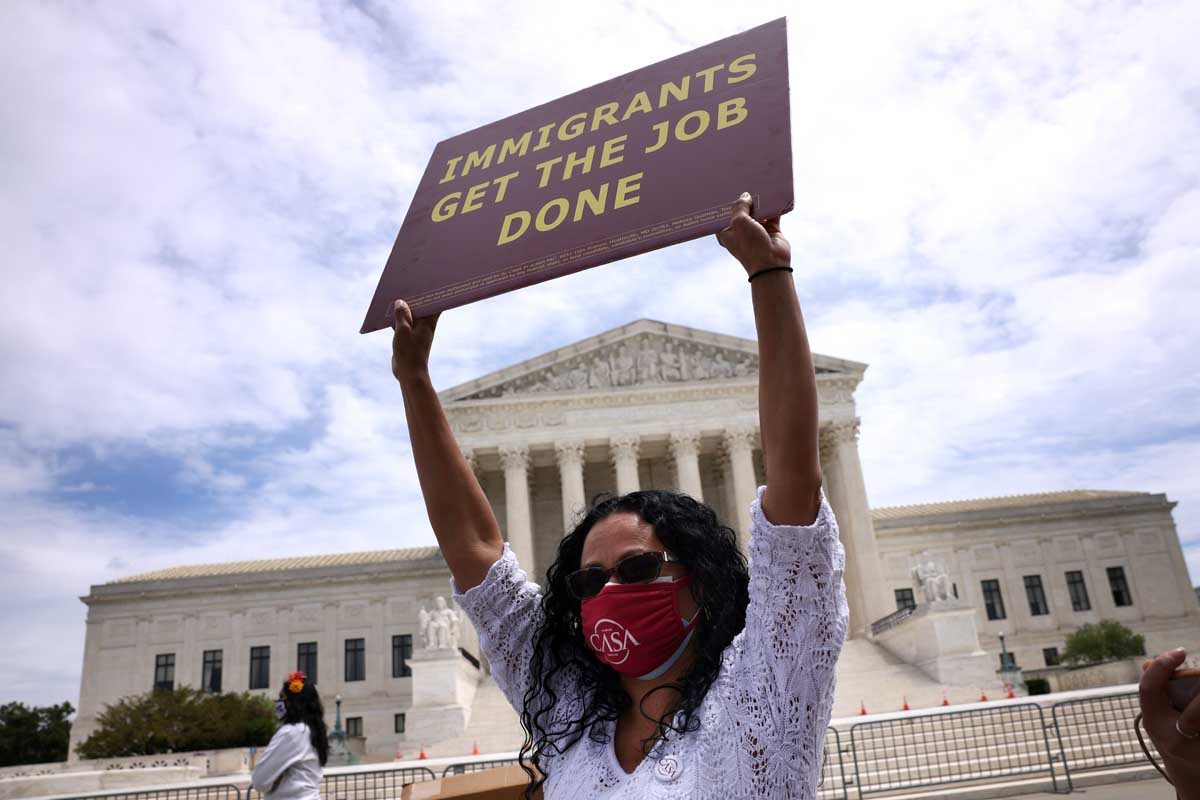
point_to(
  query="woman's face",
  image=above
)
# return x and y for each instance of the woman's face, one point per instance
(623, 534)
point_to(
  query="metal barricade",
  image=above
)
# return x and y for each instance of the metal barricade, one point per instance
(223, 791)
(833, 769)
(1097, 733)
(476, 766)
(384, 784)
(952, 747)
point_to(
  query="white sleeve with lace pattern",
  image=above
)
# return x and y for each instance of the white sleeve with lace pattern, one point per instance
(786, 657)
(506, 612)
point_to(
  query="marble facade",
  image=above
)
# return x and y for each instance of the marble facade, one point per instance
(646, 405)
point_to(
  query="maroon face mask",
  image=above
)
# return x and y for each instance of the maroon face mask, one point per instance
(636, 628)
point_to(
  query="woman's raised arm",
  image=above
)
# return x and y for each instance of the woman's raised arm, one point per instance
(787, 384)
(462, 520)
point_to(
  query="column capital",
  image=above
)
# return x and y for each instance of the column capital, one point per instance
(624, 445)
(740, 438)
(515, 456)
(468, 454)
(569, 453)
(838, 433)
(685, 444)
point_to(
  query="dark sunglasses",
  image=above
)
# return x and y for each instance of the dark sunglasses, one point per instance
(639, 568)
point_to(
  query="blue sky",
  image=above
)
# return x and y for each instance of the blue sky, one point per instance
(997, 208)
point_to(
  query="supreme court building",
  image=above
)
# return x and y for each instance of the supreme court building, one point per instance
(646, 405)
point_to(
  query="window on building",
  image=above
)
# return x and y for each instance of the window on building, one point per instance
(1008, 661)
(260, 667)
(993, 601)
(954, 587)
(1077, 587)
(210, 673)
(1119, 586)
(306, 660)
(356, 659)
(164, 671)
(905, 599)
(1036, 595)
(354, 725)
(1051, 656)
(401, 653)
(399, 723)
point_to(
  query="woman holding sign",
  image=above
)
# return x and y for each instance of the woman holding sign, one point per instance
(655, 662)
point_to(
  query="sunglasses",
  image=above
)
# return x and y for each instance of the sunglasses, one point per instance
(639, 568)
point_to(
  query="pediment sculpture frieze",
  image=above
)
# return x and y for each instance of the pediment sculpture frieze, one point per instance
(645, 360)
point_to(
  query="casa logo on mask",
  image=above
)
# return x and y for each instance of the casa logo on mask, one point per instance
(612, 641)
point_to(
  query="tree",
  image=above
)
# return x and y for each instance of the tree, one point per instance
(34, 735)
(180, 720)
(1106, 641)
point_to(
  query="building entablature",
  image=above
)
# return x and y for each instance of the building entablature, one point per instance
(1019, 510)
(281, 580)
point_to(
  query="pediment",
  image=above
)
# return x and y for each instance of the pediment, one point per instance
(643, 354)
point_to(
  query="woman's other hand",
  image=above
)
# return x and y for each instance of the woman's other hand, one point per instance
(1169, 729)
(411, 342)
(755, 245)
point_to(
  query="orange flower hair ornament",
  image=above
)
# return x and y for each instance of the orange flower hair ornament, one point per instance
(296, 682)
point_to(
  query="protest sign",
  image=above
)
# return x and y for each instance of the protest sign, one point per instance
(642, 161)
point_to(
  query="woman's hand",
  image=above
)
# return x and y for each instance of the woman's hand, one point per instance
(410, 342)
(1167, 727)
(757, 246)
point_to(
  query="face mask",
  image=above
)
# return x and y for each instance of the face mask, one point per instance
(280, 710)
(636, 628)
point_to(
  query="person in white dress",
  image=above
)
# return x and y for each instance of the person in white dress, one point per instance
(291, 766)
(654, 660)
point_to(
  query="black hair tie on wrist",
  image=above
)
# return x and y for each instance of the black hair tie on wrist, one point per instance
(765, 271)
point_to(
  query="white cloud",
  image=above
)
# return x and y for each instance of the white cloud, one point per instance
(996, 209)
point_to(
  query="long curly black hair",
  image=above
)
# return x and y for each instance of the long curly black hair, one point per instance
(305, 706)
(691, 532)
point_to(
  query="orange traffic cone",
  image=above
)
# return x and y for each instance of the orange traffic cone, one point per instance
(475, 748)
(421, 755)
(905, 708)
(1011, 694)
(399, 754)
(945, 700)
(862, 709)
(983, 697)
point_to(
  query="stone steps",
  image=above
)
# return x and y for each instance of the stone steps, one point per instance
(871, 676)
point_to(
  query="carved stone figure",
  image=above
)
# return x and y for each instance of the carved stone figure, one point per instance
(697, 366)
(624, 368)
(423, 617)
(932, 580)
(647, 362)
(671, 366)
(577, 378)
(599, 374)
(721, 368)
(439, 628)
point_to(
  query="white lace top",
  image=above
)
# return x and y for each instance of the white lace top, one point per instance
(762, 724)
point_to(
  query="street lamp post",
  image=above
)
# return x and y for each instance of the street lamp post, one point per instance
(338, 733)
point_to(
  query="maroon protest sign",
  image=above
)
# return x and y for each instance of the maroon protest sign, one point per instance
(642, 161)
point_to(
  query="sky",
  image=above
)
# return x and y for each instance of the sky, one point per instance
(997, 209)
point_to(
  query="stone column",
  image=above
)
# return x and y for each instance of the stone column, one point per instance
(847, 493)
(624, 451)
(329, 651)
(570, 472)
(515, 459)
(739, 447)
(685, 448)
